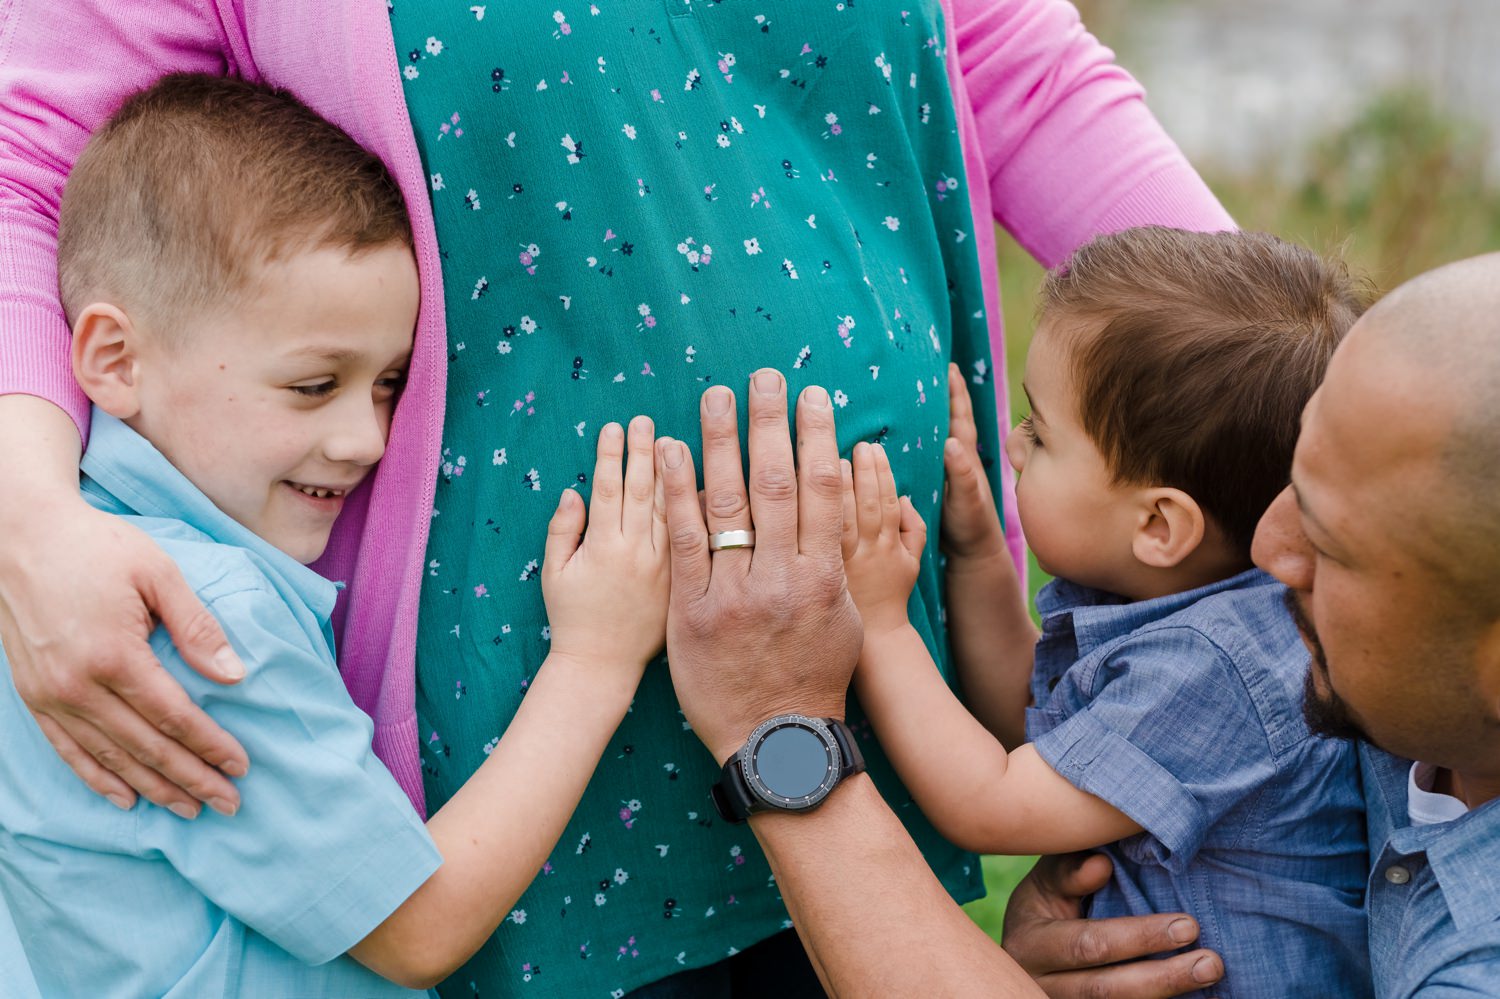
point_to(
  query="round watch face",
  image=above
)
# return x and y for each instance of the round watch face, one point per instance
(791, 762)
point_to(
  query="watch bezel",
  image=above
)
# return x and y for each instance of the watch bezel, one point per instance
(759, 788)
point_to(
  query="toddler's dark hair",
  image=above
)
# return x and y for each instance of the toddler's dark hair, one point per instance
(1193, 355)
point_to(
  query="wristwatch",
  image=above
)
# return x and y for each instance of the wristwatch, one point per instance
(790, 763)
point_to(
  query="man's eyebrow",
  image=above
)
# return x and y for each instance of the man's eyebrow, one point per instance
(1036, 414)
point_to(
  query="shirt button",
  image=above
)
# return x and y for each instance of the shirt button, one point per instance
(1397, 875)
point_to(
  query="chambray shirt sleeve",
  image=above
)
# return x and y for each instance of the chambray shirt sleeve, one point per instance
(325, 845)
(1169, 736)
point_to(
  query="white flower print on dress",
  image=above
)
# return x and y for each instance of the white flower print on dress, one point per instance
(434, 47)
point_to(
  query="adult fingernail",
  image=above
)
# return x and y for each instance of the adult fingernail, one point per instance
(119, 801)
(717, 400)
(766, 381)
(1182, 931)
(228, 665)
(234, 768)
(182, 811)
(671, 454)
(223, 806)
(814, 395)
(1206, 971)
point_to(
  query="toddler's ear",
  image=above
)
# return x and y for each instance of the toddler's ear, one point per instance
(105, 354)
(1170, 526)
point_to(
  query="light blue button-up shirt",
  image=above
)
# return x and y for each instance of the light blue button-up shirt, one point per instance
(1434, 895)
(1185, 713)
(102, 902)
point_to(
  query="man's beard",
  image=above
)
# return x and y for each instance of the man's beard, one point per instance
(1327, 713)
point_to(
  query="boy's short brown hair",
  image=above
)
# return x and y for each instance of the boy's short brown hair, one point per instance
(1193, 355)
(198, 180)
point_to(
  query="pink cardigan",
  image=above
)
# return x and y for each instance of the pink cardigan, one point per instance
(1059, 146)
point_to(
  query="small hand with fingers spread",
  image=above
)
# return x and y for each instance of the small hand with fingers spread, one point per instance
(883, 541)
(757, 631)
(606, 586)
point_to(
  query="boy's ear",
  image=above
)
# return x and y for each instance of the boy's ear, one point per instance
(105, 359)
(1170, 525)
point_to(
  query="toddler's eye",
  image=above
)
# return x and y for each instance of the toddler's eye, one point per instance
(391, 382)
(314, 391)
(1029, 429)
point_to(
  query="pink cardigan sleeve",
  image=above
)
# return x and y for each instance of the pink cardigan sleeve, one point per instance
(1070, 149)
(64, 68)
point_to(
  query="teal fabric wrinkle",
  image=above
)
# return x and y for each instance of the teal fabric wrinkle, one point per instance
(632, 205)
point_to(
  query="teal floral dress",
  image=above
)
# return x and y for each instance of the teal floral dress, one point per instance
(635, 200)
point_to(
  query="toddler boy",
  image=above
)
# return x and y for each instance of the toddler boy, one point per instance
(1166, 382)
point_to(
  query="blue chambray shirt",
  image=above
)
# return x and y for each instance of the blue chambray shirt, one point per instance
(1434, 894)
(1185, 712)
(102, 902)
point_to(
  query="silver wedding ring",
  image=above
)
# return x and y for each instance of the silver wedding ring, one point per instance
(725, 540)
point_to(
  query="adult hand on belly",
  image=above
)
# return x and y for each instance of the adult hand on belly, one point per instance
(768, 629)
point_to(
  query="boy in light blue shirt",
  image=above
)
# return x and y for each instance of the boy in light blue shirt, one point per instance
(1166, 379)
(240, 281)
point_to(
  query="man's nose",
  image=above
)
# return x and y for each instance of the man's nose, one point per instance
(1280, 547)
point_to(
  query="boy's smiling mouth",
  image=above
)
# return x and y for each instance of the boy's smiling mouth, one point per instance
(316, 492)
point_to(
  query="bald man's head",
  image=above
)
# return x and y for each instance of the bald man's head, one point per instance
(1445, 324)
(1389, 537)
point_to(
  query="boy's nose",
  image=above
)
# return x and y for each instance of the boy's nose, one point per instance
(359, 438)
(1015, 449)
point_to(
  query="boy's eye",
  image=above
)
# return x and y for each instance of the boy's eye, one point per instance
(1029, 429)
(314, 391)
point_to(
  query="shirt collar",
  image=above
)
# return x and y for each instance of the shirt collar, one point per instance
(1098, 617)
(125, 474)
(1464, 854)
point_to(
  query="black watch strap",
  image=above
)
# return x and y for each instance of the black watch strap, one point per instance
(735, 801)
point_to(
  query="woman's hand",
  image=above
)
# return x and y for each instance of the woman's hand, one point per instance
(606, 593)
(883, 540)
(79, 591)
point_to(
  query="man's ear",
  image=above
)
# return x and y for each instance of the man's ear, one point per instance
(105, 359)
(1487, 662)
(1170, 526)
